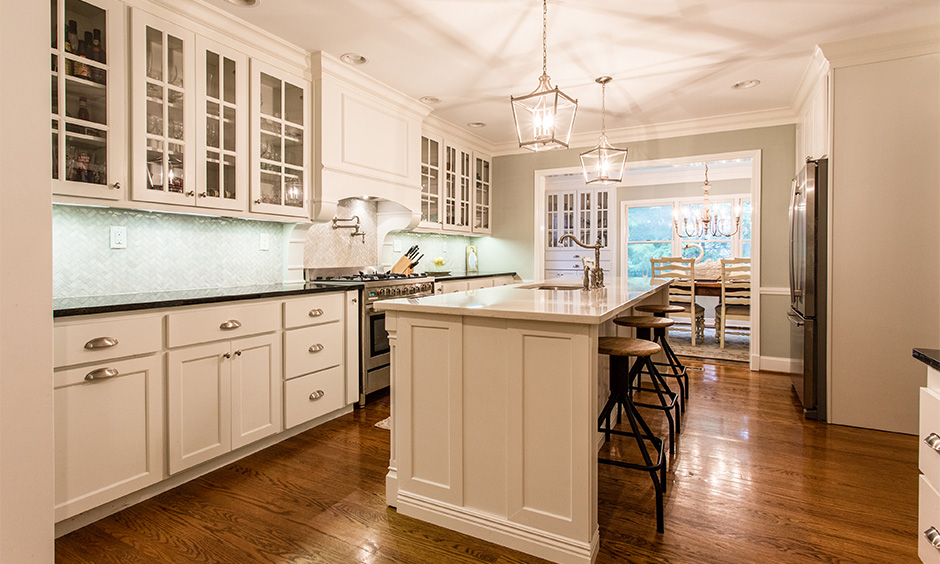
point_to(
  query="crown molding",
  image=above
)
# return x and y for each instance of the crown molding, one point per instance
(883, 47)
(816, 70)
(435, 125)
(634, 134)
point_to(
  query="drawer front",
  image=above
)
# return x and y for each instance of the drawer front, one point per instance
(95, 341)
(477, 283)
(575, 254)
(929, 458)
(928, 516)
(311, 396)
(223, 322)
(321, 308)
(503, 280)
(309, 349)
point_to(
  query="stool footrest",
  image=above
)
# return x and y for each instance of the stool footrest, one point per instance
(672, 372)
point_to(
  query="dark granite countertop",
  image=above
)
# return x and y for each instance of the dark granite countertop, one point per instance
(64, 307)
(477, 275)
(930, 357)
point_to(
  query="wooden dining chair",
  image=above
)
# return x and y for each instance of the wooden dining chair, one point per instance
(682, 290)
(735, 300)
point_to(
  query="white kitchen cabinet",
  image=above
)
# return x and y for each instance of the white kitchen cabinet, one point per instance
(88, 93)
(280, 141)
(430, 183)
(481, 194)
(456, 195)
(928, 503)
(585, 214)
(221, 396)
(163, 94)
(222, 126)
(455, 188)
(108, 393)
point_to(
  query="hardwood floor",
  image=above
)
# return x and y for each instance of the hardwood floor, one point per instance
(752, 481)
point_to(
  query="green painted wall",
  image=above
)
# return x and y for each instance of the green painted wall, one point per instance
(510, 247)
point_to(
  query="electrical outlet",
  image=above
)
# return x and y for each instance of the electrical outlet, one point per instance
(264, 243)
(396, 246)
(118, 237)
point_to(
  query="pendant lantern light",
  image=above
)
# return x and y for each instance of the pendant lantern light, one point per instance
(545, 117)
(604, 163)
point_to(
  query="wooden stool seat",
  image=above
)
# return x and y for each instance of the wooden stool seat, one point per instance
(659, 308)
(627, 346)
(644, 321)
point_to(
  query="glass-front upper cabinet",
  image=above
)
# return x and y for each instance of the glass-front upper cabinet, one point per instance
(457, 188)
(430, 182)
(280, 145)
(163, 93)
(481, 195)
(87, 102)
(222, 126)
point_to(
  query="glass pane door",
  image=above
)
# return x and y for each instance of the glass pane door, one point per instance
(481, 198)
(222, 143)
(165, 102)
(430, 180)
(281, 143)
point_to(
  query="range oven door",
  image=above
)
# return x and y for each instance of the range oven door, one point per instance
(376, 352)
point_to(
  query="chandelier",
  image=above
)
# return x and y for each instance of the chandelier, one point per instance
(706, 223)
(603, 164)
(545, 117)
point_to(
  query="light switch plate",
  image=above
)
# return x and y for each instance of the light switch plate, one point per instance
(396, 246)
(118, 237)
(264, 243)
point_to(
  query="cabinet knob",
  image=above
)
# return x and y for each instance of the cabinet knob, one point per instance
(316, 312)
(230, 324)
(258, 201)
(317, 395)
(238, 353)
(190, 194)
(355, 300)
(100, 343)
(933, 537)
(315, 348)
(116, 186)
(101, 374)
(226, 355)
(933, 441)
(203, 194)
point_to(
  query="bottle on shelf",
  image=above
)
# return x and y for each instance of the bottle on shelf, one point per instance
(97, 51)
(87, 52)
(71, 37)
(83, 109)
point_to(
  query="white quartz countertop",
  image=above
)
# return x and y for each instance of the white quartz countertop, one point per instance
(525, 301)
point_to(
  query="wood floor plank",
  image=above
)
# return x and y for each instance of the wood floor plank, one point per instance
(751, 481)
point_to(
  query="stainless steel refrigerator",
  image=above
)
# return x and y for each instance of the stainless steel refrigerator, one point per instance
(808, 257)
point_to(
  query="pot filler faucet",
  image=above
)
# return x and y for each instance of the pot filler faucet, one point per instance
(593, 274)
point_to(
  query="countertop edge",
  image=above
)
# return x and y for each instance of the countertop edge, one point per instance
(930, 357)
(467, 276)
(198, 300)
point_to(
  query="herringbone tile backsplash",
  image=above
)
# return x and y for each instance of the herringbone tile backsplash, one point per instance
(164, 252)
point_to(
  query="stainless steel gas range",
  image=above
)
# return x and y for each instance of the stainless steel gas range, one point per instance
(374, 351)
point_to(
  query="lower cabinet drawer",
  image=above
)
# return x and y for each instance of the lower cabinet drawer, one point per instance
(314, 348)
(214, 323)
(313, 395)
(928, 522)
(929, 457)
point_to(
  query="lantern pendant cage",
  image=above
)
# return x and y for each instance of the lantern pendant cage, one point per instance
(604, 163)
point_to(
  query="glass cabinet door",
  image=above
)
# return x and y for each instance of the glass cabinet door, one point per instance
(279, 142)
(163, 85)
(222, 148)
(457, 188)
(481, 196)
(86, 136)
(430, 182)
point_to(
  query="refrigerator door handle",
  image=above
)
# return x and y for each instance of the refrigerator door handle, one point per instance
(794, 291)
(796, 319)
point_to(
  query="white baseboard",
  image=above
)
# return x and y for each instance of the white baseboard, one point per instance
(777, 364)
(499, 530)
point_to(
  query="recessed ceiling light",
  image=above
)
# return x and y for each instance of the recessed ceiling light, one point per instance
(243, 2)
(429, 100)
(476, 124)
(745, 84)
(353, 59)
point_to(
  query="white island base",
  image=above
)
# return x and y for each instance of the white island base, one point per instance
(495, 395)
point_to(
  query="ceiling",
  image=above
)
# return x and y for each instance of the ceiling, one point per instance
(671, 60)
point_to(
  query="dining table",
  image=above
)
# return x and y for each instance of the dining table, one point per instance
(708, 287)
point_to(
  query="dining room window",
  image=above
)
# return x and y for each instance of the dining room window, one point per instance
(650, 234)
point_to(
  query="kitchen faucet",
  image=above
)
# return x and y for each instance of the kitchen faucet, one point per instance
(594, 274)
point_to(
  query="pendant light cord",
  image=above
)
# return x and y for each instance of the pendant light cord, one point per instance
(604, 109)
(544, 36)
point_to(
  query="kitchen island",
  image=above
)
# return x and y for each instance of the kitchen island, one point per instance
(495, 395)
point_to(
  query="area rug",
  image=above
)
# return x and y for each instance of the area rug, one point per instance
(385, 424)
(737, 347)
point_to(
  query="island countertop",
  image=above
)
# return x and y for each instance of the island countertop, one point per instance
(526, 301)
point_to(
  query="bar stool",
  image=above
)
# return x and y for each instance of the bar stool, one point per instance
(620, 349)
(659, 336)
(658, 325)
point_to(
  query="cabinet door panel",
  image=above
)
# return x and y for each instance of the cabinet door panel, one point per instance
(256, 389)
(199, 398)
(109, 433)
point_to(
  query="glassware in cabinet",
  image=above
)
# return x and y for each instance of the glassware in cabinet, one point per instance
(222, 151)
(280, 146)
(87, 134)
(162, 93)
(481, 195)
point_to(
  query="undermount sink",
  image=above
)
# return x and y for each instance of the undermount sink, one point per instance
(553, 287)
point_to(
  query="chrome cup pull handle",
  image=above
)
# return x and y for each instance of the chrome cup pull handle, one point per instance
(316, 312)
(100, 343)
(933, 441)
(317, 395)
(315, 348)
(101, 374)
(230, 324)
(933, 537)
